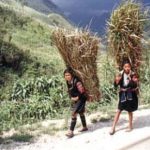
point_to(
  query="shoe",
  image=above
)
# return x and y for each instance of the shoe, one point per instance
(112, 132)
(69, 135)
(129, 130)
(83, 129)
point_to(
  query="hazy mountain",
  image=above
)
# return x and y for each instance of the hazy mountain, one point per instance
(42, 10)
(44, 6)
(82, 13)
(94, 13)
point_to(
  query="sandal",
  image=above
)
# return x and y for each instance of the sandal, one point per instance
(69, 135)
(112, 132)
(83, 129)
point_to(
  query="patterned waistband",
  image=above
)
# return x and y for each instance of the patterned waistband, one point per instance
(128, 90)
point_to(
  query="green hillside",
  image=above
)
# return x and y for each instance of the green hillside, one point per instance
(30, 38)
(30, 70)
(53, 18)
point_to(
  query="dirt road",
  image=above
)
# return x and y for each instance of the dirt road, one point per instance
(97, 138)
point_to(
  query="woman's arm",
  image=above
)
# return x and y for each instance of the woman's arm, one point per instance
(134, 81)
(80, 87)
(75, 98)
(117, 80)
(82, 91)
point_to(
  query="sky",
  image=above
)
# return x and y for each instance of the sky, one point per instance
(92, 13)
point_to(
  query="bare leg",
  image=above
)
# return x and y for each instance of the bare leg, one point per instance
(130, 121)
(117, 115)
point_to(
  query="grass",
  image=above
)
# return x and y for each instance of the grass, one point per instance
(37, 40)
(41, 58)
(34, 39)
(22, 137)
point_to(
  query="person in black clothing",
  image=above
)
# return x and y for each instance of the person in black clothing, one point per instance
(78, 97)
(127, 80)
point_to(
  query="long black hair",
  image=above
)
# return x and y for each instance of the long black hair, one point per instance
(69, 70)
(126, 61)
(73, 74)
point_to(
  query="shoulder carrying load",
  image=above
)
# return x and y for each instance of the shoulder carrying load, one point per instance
(79, 51)
(125, 30)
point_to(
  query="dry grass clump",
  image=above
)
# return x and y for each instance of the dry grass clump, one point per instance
(79, 50)
(125, 30)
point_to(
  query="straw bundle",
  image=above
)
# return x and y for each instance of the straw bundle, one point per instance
(125, 30)
(79, 51)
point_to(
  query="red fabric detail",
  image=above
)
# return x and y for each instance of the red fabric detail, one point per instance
(80, 87)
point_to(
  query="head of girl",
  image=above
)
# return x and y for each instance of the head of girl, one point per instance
(127, 67)
(68, 74)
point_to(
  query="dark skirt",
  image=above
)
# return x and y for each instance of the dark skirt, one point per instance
(128, 104)
(78, 107)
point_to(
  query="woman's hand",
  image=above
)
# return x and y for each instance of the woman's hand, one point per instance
(135, 78)
(75, 98)
(118, 78)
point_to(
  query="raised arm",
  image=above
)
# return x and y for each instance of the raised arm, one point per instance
(134, 81)
(117, 80)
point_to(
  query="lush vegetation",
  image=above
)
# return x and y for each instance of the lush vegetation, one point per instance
(28, 60)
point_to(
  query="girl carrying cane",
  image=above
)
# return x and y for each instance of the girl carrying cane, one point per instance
(127, 80)
(78, 98)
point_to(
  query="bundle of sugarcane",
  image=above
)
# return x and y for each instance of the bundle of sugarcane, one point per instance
(79, 50)
(125, 30)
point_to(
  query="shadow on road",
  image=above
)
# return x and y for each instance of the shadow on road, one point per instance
(23, 138)
(142, 121)
(135, 144)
